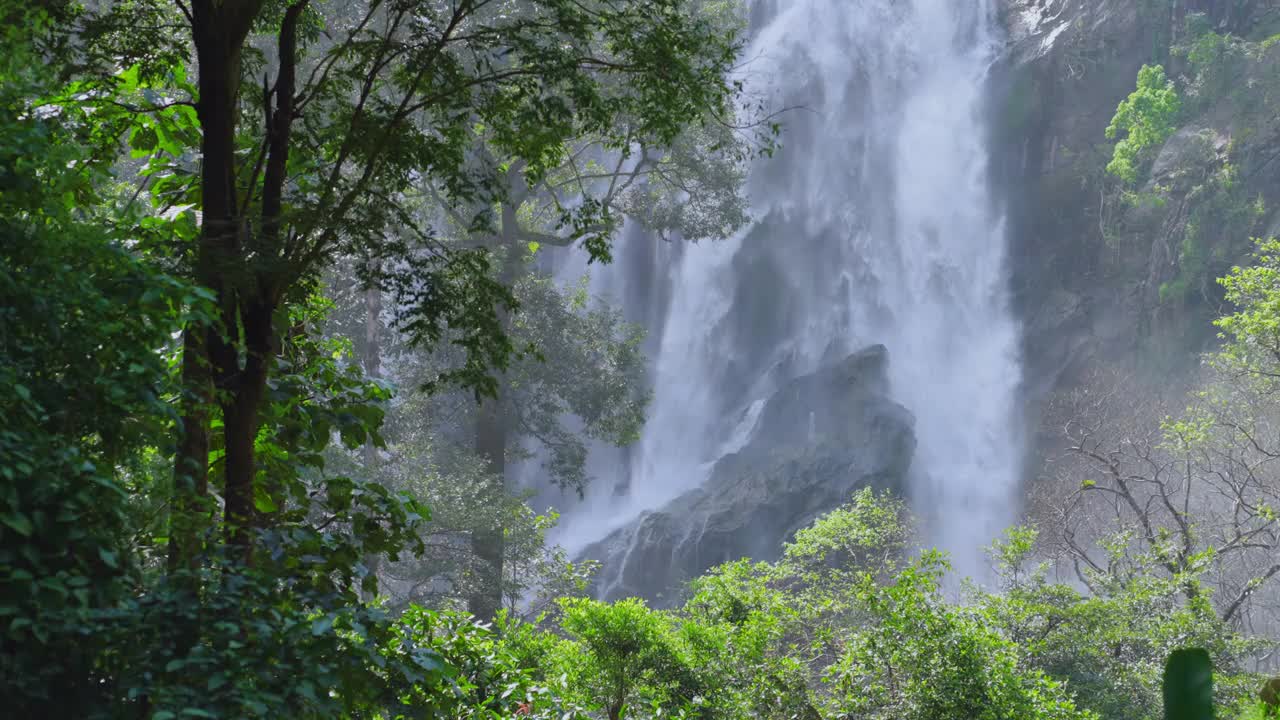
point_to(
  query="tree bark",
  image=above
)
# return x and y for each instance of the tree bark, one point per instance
(492, 434)
(245, 282)
(240, 419)
(255, 301)
(191, 465)
(218, 55)
(372, 368)
(373, 330)
(488, 543)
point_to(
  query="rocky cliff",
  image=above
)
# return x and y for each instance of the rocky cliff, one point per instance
(1106, 271)
(1069, 63)
(817, 439)
(1112, 272)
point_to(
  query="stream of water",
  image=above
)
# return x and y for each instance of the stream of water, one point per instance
(875, 223)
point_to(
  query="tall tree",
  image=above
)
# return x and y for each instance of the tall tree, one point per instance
(294, 145)
(312, 126)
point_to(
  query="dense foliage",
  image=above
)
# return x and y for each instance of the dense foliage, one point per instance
(1185, 183)
(274, 335)
(1143, 122)
(179, 536)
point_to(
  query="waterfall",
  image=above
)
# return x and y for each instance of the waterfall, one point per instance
(875, 223)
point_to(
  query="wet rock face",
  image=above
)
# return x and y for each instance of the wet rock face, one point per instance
(1042, 28)
(819, 438)
(1067, 65)
(1085, 298)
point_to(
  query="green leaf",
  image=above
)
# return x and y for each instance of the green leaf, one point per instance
(308, 691)
(263, 501)
(321, 625)
(142, 141)
(20, 523)
(129, 78)
(216, 681)
(167, 143)
(1188, 685)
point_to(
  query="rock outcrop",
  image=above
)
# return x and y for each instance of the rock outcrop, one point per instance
(1111, 275)
(1069, 63)
(819, 438)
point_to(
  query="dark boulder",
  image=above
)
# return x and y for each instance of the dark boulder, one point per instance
(819, 438)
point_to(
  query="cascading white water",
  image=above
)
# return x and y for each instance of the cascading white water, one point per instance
(875, 224)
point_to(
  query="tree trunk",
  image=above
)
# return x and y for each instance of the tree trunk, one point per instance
(191, 466)
(218, 54)
(372, 368)
(245, 303)
(240, 422)
(373, 329)
(488, 543)
(492, 431)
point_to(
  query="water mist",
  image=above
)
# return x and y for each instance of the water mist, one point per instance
(875, 223)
